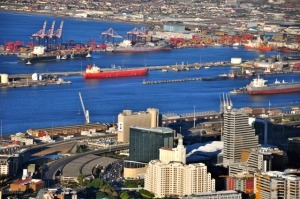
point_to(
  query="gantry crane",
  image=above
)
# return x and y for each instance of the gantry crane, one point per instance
(40, 34)
(110, 33)
(49, 35)
(85, 112)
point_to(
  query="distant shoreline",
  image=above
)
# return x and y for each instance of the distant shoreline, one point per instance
(77, 18)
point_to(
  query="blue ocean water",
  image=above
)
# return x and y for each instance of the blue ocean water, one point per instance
(46, 106)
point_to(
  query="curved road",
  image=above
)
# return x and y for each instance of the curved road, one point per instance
(49, 175)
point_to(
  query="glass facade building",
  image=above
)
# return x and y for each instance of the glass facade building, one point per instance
(145, 142)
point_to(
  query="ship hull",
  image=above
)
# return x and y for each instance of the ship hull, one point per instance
(140, 49)
(285, 49)
(116, 73)
(274, 89)
(260, 48)
(43, 58)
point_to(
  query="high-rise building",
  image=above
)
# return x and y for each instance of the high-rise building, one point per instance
(149, 119)
(238, 134)
(145, 142)
(293, 152)
(170, 177)
(275, 184)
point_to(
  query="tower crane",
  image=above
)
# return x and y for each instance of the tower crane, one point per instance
(86, 112)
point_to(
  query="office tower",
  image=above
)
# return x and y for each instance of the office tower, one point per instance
(127, 118)
(171, 177)
(238, 134)
(145, 142)
(293, 152)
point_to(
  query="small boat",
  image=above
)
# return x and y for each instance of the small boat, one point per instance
(88, 55)
(237, 91)
(231, 74)
(164, 70)
(28, 63)
(206, 67)
(223, 76)
(64, 57)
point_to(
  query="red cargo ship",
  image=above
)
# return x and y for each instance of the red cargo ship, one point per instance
(259, 87)
(258, 45)
(94, 72)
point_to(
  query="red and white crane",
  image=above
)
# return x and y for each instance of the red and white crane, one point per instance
(40, 34)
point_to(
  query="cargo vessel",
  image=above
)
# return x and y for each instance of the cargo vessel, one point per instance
(258, 86)
(258, 45)
(126, 46)
(94, 72)
(286, 49)
(39, 55)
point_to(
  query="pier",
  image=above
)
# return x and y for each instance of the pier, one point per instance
(182, 80)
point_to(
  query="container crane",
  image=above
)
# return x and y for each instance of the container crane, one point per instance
(86, 112)
(40, 34)
(50, 34)
(110, 33)
(58, 32)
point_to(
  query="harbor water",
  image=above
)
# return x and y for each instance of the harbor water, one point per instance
(57, 105)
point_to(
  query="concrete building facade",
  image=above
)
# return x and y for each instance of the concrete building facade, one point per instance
(275, 184)
(24, 185)
(238, 135)
(261, 159)
(127, 118)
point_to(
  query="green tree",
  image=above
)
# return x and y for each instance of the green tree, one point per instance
(80, 178)
(124, 195)
(146, 193)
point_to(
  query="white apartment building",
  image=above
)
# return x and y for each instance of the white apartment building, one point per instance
(174, 178)
(177, 179)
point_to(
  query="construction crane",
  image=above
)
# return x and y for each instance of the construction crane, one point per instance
(86, 112)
